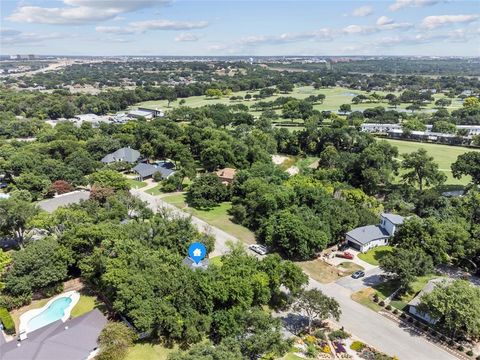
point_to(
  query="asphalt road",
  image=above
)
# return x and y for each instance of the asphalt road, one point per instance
(371, 278)
(365, 324)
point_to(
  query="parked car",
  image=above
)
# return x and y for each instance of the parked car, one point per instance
(3, 185)
(259, 249)
(358, 274)
(345, 255)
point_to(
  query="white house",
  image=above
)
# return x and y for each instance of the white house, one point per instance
(366, 237)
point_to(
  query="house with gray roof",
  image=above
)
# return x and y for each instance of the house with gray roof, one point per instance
(366, 237)
(125, 154)
(413, 305)
(74, 197)
(144, 170)
(75, 339)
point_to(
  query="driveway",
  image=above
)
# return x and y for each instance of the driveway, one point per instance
(367, 325)
(371, 278)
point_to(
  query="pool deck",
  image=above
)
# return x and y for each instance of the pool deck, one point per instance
(25, 318)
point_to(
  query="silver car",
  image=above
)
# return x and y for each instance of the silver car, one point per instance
(259, 249)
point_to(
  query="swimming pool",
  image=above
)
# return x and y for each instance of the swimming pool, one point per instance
(57, 308)
(53, 313)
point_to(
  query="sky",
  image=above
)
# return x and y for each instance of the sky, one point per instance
(240, 27)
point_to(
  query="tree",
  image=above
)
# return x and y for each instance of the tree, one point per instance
(414, 107)
(15, 213)
(344, 108)
(295, 232)
(421, 169)
(36, 185)
(32, 272)
(443, 102)
(285, 87)
(60, 187)
(206, 191)
(406, 264)
(456, 306)
(109, 179)
(471, 102)
(114, 341)
(213, 93)
(467, 164)
(444, 127)
(316, 306)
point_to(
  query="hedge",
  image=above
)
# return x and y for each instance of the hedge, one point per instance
(7, 321)
(357, 346)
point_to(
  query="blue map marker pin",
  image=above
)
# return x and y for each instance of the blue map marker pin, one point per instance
(197, 252)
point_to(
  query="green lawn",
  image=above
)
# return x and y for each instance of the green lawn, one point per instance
(155, 191)
(291, 356)
(216, 216)
(216, 260)
(148, 351)
(335, 97)
(374, 255)
(444, 155)
(86, 304)
(135, 184)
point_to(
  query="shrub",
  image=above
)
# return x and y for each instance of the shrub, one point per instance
(460, 348)
(319, 334)
(395, 311)
(388, 307)
(451, 342)
(310, 340)
(338, 334)
(381, 303)
(410, 320)
(402, 315)
(469, 353)
(478, 357)
(311, 351)
(443, 338)
(375, 297)
(7, 321)
(357, 346)
(326, 349)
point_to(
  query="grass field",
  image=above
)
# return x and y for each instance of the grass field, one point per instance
(148, 351)
(135, 184)
(374, 255)
(444, 155)
(335, 97)
(216, 216)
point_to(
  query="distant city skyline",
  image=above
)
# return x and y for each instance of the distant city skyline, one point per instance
(238, 27)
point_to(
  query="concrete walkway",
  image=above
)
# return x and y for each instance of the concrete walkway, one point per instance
(367, 325)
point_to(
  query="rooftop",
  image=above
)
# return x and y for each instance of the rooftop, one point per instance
(393, 218)
(74, 340)
(366, 234)
(145, 170)
(227, 173)
(427, 289)
(74, 197)
(124, 154)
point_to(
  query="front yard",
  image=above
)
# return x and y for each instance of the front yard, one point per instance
(217, 217)
(148, 351)
(385, 289)
(135, 184)
(325, 273)
(374, 255)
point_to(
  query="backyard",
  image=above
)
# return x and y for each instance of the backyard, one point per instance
(148, 351)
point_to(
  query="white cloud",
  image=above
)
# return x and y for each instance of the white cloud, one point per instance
(363, 11)
(318, 35)
(139, 27)
(15, 37)
(383, 20)
(400, 4)
(186, 37)
(79, 12)
(433, 22)
(359, 29)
